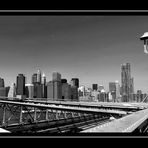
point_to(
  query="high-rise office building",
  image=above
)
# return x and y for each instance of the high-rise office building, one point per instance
(81, 91)
(7, 90)
(126, 82)
(20, 85)
(118, 98)
(57, 90)
(3, 89)
(74, 93)
(66, 94)
(44, 87)
(75, 82)
(12, 90)
(43, 79)
(110, 98)
(34, 78)
(57, 86)
(132, 85)
(139, 95)
(54, 87)
(95, 95)
(112, 90)
(29, 90)
(63, 80)
(37, 90)
(74, 89)
(56, 77)
(2, 82)
(100, 88)
(112, 86)
(50, 90)
(131, 89)
(39, 76)
(3, 92)
(102, 97)
(95, 87)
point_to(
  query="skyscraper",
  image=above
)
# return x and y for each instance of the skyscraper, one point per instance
(20, 82)
(63, 80)
(34, 78)
(57, 87)
(112, 86)
(139, 95)
(102, 97)
(126, 82)
(12, 90)
(57, 90)
(112, 90)
(74, 93)
(2, 82)
(39, 90)
(74, 88)
(56, 77)
(44, 87)
(131, 89)
(3, 92)
(81, 91)
(66, 95)
(118, 98)
(29, 90)
(39, 77)
(50, 90)
(100, 88)
(95, 87)
(75, 82)
(132, 85)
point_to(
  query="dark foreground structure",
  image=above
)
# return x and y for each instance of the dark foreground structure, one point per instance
(46, 116)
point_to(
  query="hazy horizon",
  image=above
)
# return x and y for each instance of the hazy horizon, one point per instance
(91, 48)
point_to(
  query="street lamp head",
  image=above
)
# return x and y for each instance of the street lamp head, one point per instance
(144, 37)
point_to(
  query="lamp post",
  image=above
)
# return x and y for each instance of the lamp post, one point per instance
(144, 37)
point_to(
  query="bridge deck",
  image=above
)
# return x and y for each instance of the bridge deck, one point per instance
(115, 105)
(65, 108)
(126, 124)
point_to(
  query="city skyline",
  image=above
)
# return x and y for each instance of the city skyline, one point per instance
(91, 48)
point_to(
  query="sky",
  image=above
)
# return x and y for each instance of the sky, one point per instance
(91, 48)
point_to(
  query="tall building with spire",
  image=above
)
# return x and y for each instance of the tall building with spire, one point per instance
(39, 76)
(44, 87)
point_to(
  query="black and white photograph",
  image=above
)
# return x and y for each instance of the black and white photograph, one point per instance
(73, 73)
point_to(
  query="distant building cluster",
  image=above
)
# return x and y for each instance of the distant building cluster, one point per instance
(59, 89)
(116, 93)
(56, 89)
